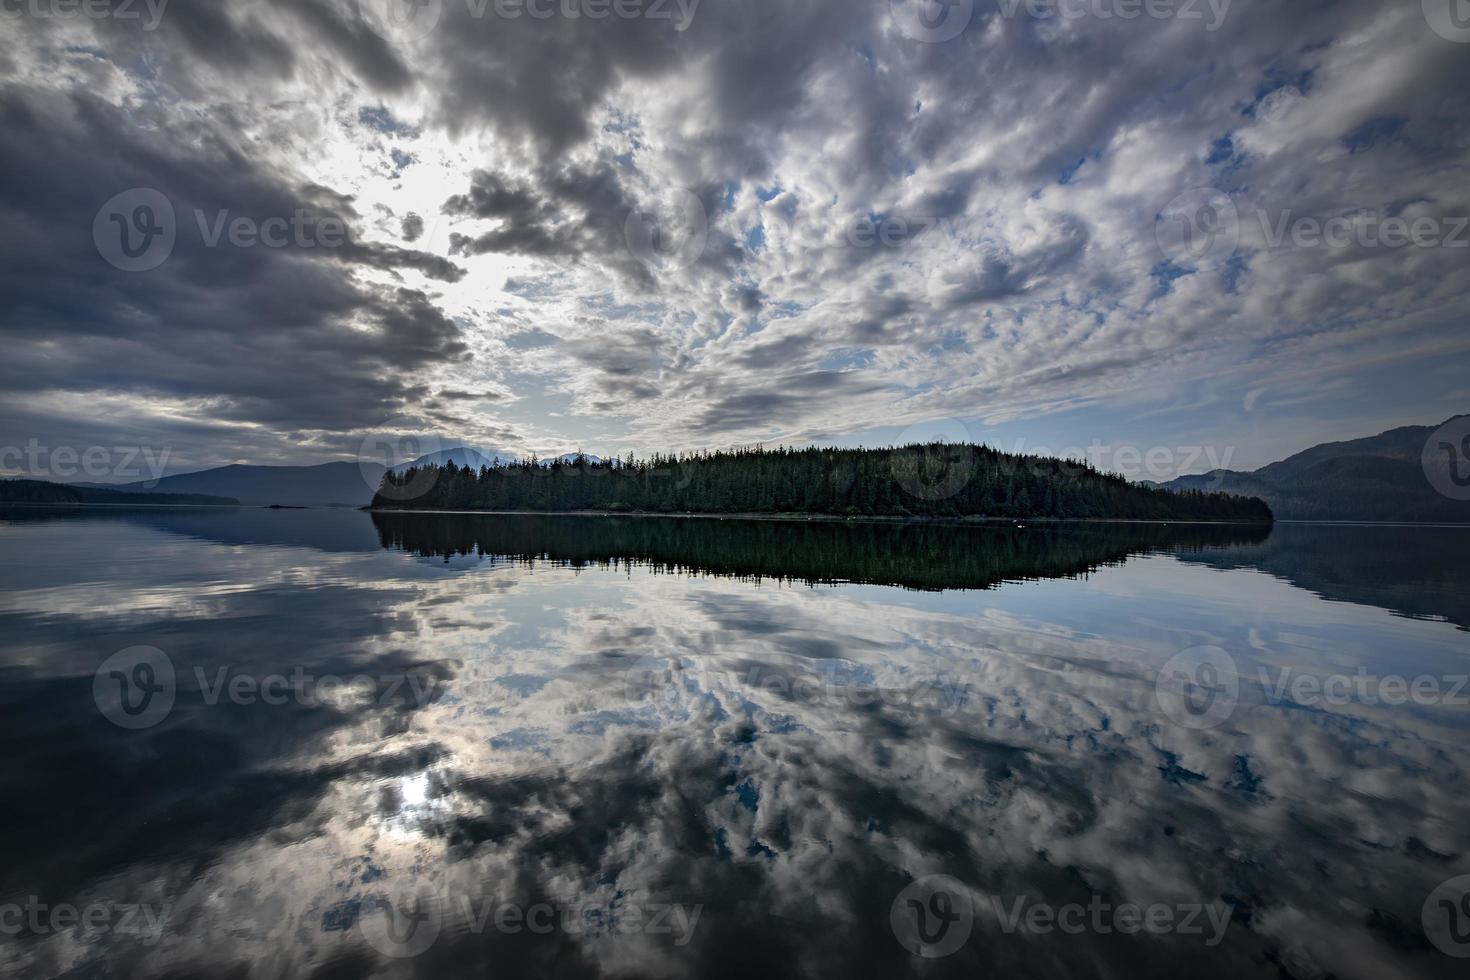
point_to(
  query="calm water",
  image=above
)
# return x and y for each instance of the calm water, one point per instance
(308, 743)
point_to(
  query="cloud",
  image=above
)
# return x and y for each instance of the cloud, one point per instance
(289, 337)
(704, 213)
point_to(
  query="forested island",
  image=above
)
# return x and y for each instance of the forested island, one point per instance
(938, 480)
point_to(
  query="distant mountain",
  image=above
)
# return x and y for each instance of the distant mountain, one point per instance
(461, 456)
(346, 484)
(44, 492)
(572, 458)
(1377, 478)
(476, 458)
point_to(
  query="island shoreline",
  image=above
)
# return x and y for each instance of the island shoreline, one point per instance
(969, 521)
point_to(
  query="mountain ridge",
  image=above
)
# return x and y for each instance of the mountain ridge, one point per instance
(1381, 477)
(340, 483)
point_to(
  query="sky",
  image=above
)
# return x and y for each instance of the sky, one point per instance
(270, 231)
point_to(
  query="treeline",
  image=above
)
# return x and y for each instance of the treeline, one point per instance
(935, 480)
(915, 556)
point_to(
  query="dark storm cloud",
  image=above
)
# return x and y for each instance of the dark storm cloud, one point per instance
(734, 405)
(622, 365)
(1000, 275)
(569, 214)
(283, 336)
(539, 81)
(372, 58)
(260, 40)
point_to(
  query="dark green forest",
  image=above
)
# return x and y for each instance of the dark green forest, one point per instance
(935, 480)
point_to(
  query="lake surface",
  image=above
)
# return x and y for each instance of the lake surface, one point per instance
(313, 743)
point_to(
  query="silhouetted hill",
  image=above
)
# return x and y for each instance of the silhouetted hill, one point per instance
(935, 480)
(1376, 478)
(347, 484)
(44, 492)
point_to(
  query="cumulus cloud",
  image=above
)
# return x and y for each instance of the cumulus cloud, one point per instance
(743, 222)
